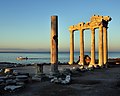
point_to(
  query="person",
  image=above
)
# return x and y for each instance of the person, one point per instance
(87, 59)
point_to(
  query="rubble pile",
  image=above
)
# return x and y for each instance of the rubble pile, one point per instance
(64, 77)
(61, 80)
(11, 81)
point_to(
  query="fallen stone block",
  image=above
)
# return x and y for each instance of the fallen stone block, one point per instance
(3, 78)
(10, 81)
(56, 80)
(21, 78)
(36, 78)
(20, 83)
(12, 88)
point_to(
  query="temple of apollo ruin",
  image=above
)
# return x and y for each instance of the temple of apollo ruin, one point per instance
(96, 21)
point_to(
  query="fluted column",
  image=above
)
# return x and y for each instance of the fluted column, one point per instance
(105, 45)
(92, 47)
(71, 47)
(100, 46)
(54, 44)
(81, 47)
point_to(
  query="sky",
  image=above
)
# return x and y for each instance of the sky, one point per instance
(25, 24)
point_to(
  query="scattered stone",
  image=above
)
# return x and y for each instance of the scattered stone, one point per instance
(22, 78)
(36, 78)
(55, 80)
(20, 83)
(11, 81)
(3, 77)
(12, 88)
(8, 71)
(67, 80)
(41, 77)
(61, 80)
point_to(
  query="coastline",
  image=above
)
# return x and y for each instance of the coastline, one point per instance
(110, 60)
(44, 57)
(94, 82)
(98, 82)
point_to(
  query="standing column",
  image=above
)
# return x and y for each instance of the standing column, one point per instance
(100, 46)
(54, 44)
(92, 47)
(81, 47)
(71, 47)
(105, 45)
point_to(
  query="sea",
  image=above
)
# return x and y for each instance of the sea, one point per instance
(44, 57)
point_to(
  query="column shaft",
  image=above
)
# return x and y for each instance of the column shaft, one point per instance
(81, 47)
(54, 43)
(71, 47)
(100, 46)
(92, 47)
(105, 45)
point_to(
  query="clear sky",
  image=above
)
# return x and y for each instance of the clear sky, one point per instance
(25, 24)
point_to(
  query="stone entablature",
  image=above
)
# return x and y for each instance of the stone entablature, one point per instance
(95, 22)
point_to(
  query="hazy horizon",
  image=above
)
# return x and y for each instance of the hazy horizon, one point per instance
(2, 51)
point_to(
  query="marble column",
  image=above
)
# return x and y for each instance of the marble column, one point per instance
(105, 45)
(92, 47)
(81, 47)
(71, 47)
(100, 46)
(54, 44)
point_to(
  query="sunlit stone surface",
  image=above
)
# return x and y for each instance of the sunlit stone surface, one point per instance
(96, 21)
(54, 44)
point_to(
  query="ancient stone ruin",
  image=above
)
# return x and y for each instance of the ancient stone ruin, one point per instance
(96, 21)
(54, 44)
(11, 81)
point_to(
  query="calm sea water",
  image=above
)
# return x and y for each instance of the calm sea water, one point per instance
(44, 57)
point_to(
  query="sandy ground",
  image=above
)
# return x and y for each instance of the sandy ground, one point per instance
(98, 82)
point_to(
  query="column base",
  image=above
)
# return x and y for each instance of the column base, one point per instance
(105, 65)
(70, 63)
(100, 65)
(54, 69)
(80, 64)
(92, 65)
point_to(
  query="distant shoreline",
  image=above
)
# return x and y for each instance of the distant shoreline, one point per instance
(48, 52)
(109, 61)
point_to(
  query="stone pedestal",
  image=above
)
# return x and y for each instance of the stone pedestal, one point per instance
(39, 69)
